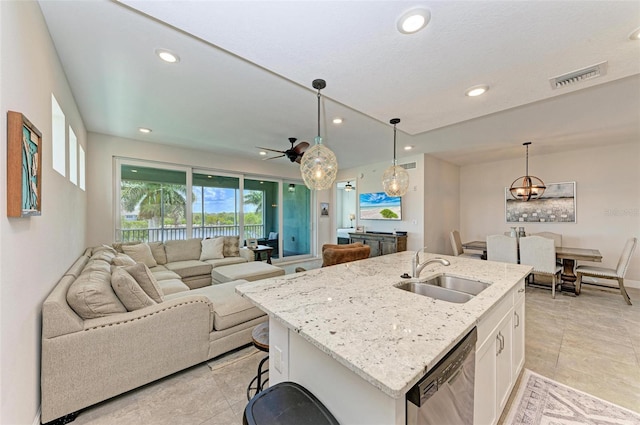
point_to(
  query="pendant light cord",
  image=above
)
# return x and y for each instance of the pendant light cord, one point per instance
(318, 113)
(394, 144)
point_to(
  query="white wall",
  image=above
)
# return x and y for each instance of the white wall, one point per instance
(35, 251)
(100, 174)
(607, 197)
(441, 204)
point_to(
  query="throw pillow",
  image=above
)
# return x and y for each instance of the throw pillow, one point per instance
(231, 246)
(128, 291)
(140, 253)
(122, 260)
(92, 296)
(157, 249)
(212, 249)
(182, 250)
(146, 280)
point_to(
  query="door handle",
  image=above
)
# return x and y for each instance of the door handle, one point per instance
(517, 317)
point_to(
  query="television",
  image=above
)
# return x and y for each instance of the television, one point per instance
(380, 206)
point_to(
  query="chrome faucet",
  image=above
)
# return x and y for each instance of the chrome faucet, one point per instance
(418, 267)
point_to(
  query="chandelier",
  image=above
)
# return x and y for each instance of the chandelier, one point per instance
(527, 187)
(319, 165)
(395, 179)
(348, 187)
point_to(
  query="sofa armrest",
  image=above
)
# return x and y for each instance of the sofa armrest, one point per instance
(118, 353)
(247, 254)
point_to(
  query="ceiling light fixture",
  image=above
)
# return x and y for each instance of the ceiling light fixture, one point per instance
(319, 165)
(414, 20)
(476, 90)
(144, 130)
(337, 120)
(167, 56)
(395, 179)
(292, 187)
(635, 35)
(408, 148)
(263, 153)
(348, 187)
(527, 187)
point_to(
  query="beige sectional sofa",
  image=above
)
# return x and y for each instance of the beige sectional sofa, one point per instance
(112, 324)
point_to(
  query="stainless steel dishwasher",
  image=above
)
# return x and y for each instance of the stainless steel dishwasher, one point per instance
(445, 394)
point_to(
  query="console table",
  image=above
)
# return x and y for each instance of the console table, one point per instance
(380, 243)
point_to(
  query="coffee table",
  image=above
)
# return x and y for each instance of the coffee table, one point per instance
(260, 249)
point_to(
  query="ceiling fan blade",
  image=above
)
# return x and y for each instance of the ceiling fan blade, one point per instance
(268, 149)
(299, 158)
(273, 157)
(301, 147)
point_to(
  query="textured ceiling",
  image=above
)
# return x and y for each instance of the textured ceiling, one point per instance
(245, 72)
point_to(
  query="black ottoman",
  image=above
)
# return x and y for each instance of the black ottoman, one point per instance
(287, 403)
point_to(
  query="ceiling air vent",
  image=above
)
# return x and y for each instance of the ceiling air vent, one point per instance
(574, 77)
(409, 166)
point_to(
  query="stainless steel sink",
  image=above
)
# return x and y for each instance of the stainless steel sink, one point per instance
(444, 287)
(436, 292)
(460, 284)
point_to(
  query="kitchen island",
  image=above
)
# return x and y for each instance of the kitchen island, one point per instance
(359, 343)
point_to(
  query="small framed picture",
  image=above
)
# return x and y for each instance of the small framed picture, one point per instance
(252, 243)
(359, 229)
(324, 209)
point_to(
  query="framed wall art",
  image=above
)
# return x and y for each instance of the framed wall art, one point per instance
(556, 205)
(24, 167)
(324, 209)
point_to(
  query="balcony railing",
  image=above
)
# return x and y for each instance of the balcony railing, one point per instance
(161, 234)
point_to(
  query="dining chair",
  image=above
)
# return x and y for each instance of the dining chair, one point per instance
(540, 252)
(456, 245)
(606, 273)
(557, 237)
(502, 248)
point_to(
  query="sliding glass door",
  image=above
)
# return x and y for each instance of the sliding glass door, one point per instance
(296, 220)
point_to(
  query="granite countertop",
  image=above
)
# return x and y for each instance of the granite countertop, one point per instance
(387, 336)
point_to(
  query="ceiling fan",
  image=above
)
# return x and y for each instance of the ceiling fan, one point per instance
(294, 153)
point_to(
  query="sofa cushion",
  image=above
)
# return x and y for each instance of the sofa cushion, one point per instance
(97, 265)
(172, 286)
(164, 274)
(129, 291)
(189, 268)
(181, 250)
(231, 246)
(146, 280)
(140, 253)
(254, 270)
(212, 249)
(226, 261)
(230, 309)
(157, 250)
(92, 296)
(122, 260)
(103, 255)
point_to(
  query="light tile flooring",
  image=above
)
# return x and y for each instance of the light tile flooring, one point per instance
(590, 342)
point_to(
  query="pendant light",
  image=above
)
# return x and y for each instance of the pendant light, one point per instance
(319, 165)
(395, 179)
(348, 187)
(527, 187)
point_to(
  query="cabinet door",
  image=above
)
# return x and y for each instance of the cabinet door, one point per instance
(518, 338)
(374, 244)
(484, 403)
(388, 246)
(504, 362)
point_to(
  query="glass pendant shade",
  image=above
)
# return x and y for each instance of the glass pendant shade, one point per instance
(527, 187)
(319, 165)
(395, 179)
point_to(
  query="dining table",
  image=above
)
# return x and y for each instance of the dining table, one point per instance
(567, 255)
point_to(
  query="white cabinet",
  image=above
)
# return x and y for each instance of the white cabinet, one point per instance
(499, 356)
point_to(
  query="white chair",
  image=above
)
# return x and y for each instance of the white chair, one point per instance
(605, 273)
(502, 248)
(557, 237)
(540, 253)
(456, 245)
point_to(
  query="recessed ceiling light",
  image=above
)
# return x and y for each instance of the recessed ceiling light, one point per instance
(134, 171)
(414, 20)
(337, 120)
(476, 90)
(635, 35)
(167, 56)
(209, 177)
(144, 130)
(408, 148)
(263, 153)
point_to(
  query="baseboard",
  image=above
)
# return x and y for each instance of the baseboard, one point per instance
(37, 421)
(628, 283)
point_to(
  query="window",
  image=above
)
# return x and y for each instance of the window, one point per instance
(73, 157)
(81, 165)
(214, 207)
(152, 204)
(58, 147)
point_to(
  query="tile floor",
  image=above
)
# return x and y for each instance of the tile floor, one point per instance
(590, 342)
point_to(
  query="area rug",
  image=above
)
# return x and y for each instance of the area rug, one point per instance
(542, 401)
